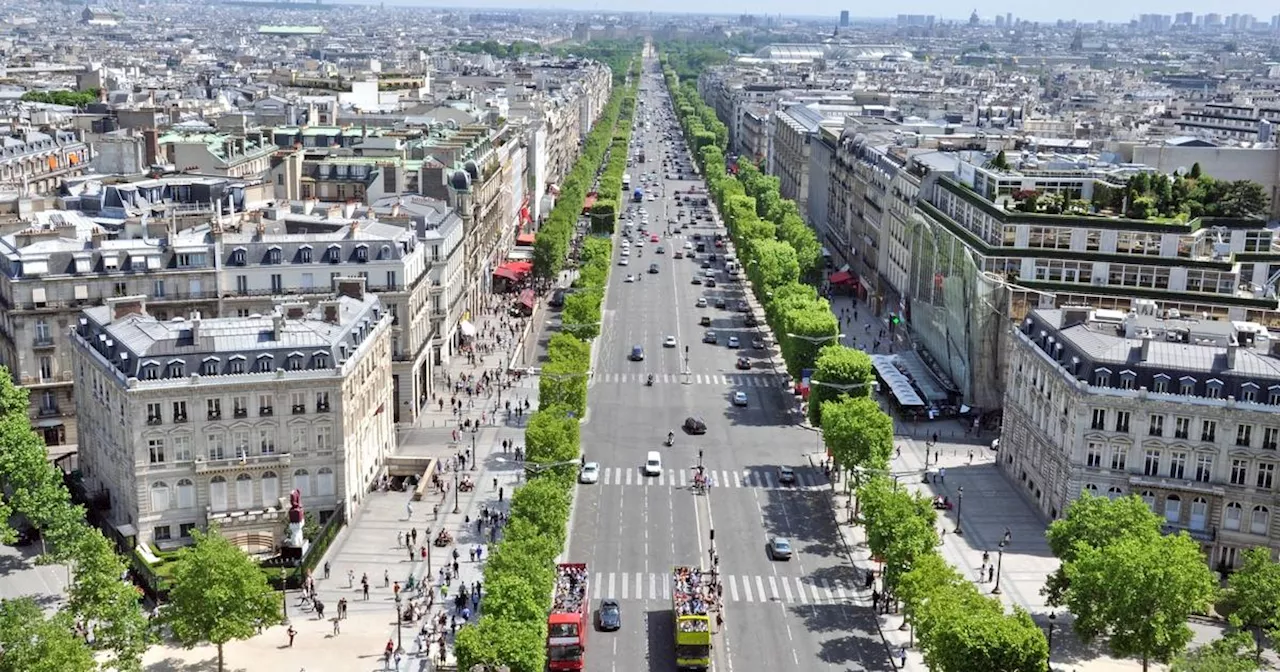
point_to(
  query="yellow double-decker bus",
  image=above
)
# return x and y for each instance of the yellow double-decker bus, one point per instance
(690, 600)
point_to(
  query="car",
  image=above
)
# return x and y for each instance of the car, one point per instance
(696, 280)
(786, 476)
(653, 464)
(557, 299)
(653, 238)
(720, 302)
(669, 342)
(743, 307)
(709, 337)
(630, 278)
(706, 264)
(743, 363)
(653, 268)
(710, 282)
(626, 252)
(695, 425)
(702, 302)
(688, 245)
(779, 548)
(660, 250)
(757, 343)
(750, 320)
(637, 353)
(623, 261)
(709, 273)
(590, 473)
(609, 616)
(678, 254)
(705, 321)
(733, 342)
(739, 398)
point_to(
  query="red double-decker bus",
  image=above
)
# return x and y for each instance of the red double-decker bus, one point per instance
(569, 620)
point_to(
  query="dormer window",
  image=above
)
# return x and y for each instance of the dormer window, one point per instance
(150, 371)
(362, 253)
(264, 363)
(320, 360)
(295, 361)
(1213, 389)
(1160, 383)
(335, 253)
(1249, 392)
(1273, 395)
(385, 253)
(209, 367)
(1186, 386)
(176, 369)
(239, 256)
(1102, 377)
(304, 254)
(236, 365)
(1127, 379)
(273, 255)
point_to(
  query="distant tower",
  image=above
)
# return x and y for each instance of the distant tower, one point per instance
(1077, 42)
(844, 18)
(973, 18)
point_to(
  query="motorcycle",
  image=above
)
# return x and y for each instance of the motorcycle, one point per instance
(671, 439)
(649, 382)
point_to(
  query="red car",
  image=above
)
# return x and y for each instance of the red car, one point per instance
(653, 238)
(719, 243)
(744, 363)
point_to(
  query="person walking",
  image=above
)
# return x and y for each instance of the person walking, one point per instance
(386, 579)
(326, 569)
(292, 633)
(351, 578)
(337, 627)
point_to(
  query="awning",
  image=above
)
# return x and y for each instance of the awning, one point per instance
(514, 270)
(506, 272)
(528, 298)
(525, 239)
(840, 278)
(898, 383)
(468, 329)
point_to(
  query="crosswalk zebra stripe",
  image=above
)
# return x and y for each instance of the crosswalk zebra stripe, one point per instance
(773, 587)
(626, 586)
(792, 590)
(746, 588)
(612, 581)
(760, 587)
(786, 589)
(800, 591)
(733, 588)
(639, 582)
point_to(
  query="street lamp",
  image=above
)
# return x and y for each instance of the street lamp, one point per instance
(284, 594)
(455, 491)
(815, 339)
(399, 619)
(959, 509)
(1053, 616)
(1008, 536)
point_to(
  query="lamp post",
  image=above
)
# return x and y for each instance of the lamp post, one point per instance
(1053, 616)
(284, 593)
(1000, 559)
(455, 491)
(399, 620)
(428, 547)
(959, 509)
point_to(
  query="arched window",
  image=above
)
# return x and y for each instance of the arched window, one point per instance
(1199, 513)
(1260, 520)
(1091, 489)
(270, 489)
(1231, 516)
(218, 493)
(302, 482)
(244, 491)
(159, 496)
(1150, 498)
(1172, 508)
(1114, 492)
(186, 494)
(324, 482)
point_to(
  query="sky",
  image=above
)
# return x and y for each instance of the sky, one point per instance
(1085, 10)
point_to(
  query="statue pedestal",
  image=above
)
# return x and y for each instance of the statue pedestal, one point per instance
(293, 552)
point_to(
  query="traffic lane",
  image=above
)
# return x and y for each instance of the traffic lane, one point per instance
(842, 636)
(759, 638)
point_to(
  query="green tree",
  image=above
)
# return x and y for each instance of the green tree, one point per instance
(841, 371)
(793, 231)
(33, 643)
(1001, 162)
(97, 595)
(1094, 522)
(219, 594)
(1253, 591)
(564, 383)
(899, 524)
(567, 349)
(1228, 654)
(520, 645)
(511, 598)
(545, 504)
(581, 315)
(804, 333)
(857, 433)
(773, 264)
(1138, 594)
(1196, 171)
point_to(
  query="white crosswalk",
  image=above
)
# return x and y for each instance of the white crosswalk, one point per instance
(683, 478)
(737, 588)
(736, 380)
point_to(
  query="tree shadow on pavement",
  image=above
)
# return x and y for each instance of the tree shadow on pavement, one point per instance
(209, 664)
(803, 516)
(859, 638)
(660, 635)
(847, 577)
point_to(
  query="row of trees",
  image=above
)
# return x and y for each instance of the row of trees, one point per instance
(63, 97)
(520, 573)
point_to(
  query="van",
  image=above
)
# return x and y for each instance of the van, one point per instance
(653, 464)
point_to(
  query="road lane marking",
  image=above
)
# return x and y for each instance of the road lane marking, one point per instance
(773, 588)
(612, 585)
(800, 591)
(626, 585)
(598, 581)
(653, 586)
(733, 587)
(746, 588)
(639, 584)
(760, 588)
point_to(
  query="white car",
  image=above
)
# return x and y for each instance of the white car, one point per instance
(590, 473)
(670, 342)
(733, 341)
(623, 261)
(702, 302)
(739, 398)
(688, 245)
(631, 278)
(653, 464)
(626, 251)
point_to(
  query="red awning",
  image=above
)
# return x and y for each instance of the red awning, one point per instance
(514, 270)
(528, 298)
(507, 273)
(842, 278)
(525, 239)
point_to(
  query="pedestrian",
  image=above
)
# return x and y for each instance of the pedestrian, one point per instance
(942, 474)
(875, 599)
(991, 574)
(399, 538)
(395, 591)
(500, 494)
(902, 657)
(342, 607)
(319, 610)
(292, 633)
(351, 578)
(326, 569)
(414, 534)
(386, 579)
(366, 590)
(409, 508)
(970, 457)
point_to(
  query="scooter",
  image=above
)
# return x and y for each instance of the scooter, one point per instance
(649, 382)
(671, 439)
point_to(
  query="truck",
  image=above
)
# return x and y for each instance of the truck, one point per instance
(568, 621)
(638, 195)
(690, 600)
(626, 182)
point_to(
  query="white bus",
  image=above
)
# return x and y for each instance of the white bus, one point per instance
(626, 183)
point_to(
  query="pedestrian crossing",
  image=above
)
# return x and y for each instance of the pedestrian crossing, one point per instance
(736, 380)
(737, 588)
(718, 478)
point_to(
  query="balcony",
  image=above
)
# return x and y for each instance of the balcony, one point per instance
(204, 466)
(41, 342)
(180, 417)
(155, 420)
(48, 412)
(240, 413)
(265, 411)
(215, 415)
(299, 409)
(322, 408)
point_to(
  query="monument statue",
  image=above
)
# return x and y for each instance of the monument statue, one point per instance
(296, 520)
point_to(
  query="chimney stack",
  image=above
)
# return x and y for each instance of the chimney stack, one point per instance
(331, 311)
(1146, 348)
(277, 326)
(96, 238)
(1232, 353)
(195, 327)
(124, 306)
(352, 287)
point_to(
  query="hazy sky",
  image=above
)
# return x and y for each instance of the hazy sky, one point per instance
(1088, 10)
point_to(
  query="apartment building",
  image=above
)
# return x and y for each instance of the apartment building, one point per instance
(1182, 412)
(216, 420)
(222, 154)
(35, 162)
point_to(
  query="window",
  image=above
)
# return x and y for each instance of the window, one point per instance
(1199, 513)
(1244, 435)
(240, 440)
(159, 497)
(277, 283)
(1093, 458)
(175, 370)
(179, 411)
(308, 280)
(1122, 421)
(1126, 380)
(154, 414)
(161, 533)
(298, 439)
(240, 406)
(186, 494)
(270, 488)
(1155, 425)
(362, 253)
(218, 493)
(1149, 498)
(216, 445)
(1273, 395)
(295, 362)
(1102, 378)
(155, 447)
(324, 482)
(209, 367)
(1161, 384)
(266, 404)
(1119, 458)
(157, 288)
(391, 279)
(1231, 516)
(304, 255)
(244, 491)
(267, 441)
(1178, 465)
(237, 365)
(1151, 463)
(1209, 431)
(1259, 520)
(1172, 509)
(273, 255)
(1099, 419)
(121, 289)
(322, 361)
(42, 331)
(324, 439)
(238, 256)
(1182, 428)
(1270, 435)
(1204, 468)
(1187, 386)
(214, 408)
(298, 402)
(1114, 492)
(191, 260)
(322, 402)
(1249, 393)
(46, 368)
(264, 364)
(1266, 475)
(302, 482)
(182, 449)
(1213, 389)
(1239, 472)
(185, 530)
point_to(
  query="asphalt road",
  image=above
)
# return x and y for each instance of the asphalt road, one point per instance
(631, 529)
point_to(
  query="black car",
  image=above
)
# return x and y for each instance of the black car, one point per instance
(609, 616)
(694, 425)
(557, 299)
(653, 268)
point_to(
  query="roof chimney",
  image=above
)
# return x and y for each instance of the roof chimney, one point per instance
(1232, 351)
(331, 312)
(354, 231)
(259, 231)
(352, 287)
(96, 237)
(277, 327)
(195, 327)
(124, 306)
(1146, 348)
